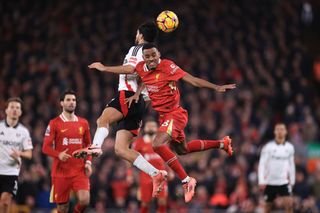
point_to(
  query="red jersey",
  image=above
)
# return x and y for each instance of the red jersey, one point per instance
(161, 84)
(62, 134)
(146, 150)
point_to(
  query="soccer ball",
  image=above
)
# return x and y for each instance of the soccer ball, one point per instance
(167, 21)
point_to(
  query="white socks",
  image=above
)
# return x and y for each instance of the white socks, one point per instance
(99, 136)
(145, 166)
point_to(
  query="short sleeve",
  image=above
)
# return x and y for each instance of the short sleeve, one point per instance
(175, 72)
(134, 56)
(27, 142)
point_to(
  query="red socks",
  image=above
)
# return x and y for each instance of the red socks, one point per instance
(200, 145)
(79, 208)
(171, 159)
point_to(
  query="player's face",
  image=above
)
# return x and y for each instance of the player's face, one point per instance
(13, 110)
(151, 57)
(280, 131)
(69, 103)
(151, 128)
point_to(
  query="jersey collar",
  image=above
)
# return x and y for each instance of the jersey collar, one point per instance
(64, 119)
(7, 125)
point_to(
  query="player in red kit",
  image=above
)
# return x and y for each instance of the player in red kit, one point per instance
(65, 134)
(144, 146)
(160, 78)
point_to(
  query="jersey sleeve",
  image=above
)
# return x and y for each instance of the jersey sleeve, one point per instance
(47, 146)
(26, 141)
(134, 56)
(262, 165)
(174, 72)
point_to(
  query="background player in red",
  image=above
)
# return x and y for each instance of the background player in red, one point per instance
(160, 78)
(144, 146)
(65, 134)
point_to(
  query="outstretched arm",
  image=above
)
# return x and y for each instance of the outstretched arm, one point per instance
(198, 82)
(122, 69)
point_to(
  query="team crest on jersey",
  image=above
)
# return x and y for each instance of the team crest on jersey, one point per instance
(81, 130)
(157, 76)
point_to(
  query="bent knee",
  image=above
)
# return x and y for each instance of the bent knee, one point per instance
(120, 151)
(84, 201)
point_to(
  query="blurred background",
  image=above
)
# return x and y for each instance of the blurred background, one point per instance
(269, 48)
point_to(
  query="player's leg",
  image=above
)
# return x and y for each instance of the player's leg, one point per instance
(63, 207)
(81, 186)
(162, 200)
(269, 197)
(83, 198)
(5, 202)
(109, 116)
(146, 196)
(287, 203)
(285, 192)
(60, 193)
(160, 146)
(124, 138)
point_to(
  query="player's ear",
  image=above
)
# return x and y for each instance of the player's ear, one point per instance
(61, 103)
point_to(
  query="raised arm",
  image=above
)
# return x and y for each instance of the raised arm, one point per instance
(198, 82)
(122, 69)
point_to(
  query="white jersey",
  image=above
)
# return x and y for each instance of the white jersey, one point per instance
(128, 82)
(18, 138)
(276, 165)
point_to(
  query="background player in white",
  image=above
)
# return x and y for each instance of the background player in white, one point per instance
(129, 119)
(15, 143)
(277, 170)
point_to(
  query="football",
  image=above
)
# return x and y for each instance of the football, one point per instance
(167, 21)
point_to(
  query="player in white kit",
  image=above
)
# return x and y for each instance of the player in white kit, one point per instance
(128, 118)
(15, 143)
(276, 170)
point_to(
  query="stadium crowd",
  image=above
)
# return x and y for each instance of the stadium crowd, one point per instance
(47, 45)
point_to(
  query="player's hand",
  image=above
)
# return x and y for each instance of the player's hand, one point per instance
(134, 98)
(88, 168)
(223, 88)
(97, 65)
(15, 154)
(63, 156)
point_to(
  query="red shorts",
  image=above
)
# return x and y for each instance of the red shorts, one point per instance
(146, 188)
(174, 123)
(62, 186)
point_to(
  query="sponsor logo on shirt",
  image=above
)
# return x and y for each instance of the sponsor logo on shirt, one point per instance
(174, 69)
(152, 88)
(69, 141)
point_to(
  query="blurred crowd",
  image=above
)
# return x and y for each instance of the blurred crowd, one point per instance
(47, 45)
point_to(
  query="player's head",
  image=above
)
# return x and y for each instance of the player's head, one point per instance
(68, 101)
(147, 32)
(151, 55)
(150, 127)
(14, 108)
(280, 131)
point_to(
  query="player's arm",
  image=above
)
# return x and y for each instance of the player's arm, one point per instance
(47, 147)
(136, 95)
(122, 69)
(262, 166)
(292, 169)
(198, 82)
(27, 154)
